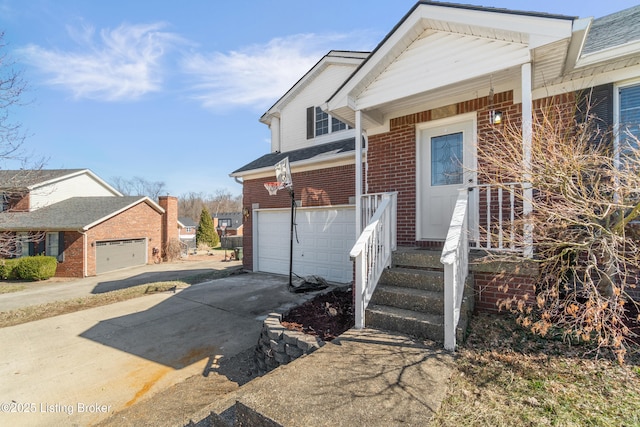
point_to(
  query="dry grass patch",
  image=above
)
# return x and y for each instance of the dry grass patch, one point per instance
(43, 311)
(508, 377)
(7, 289)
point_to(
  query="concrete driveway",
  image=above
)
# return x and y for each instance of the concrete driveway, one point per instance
(80, 368)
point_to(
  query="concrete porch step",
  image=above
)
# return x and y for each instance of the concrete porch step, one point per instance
(420, 300)
(417, 258)
(414, 323)
(428, 280)
(364, 377)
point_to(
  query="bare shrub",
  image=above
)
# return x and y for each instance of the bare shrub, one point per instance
(173, 250)
(585, 195)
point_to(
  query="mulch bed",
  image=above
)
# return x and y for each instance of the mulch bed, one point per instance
(325, 316)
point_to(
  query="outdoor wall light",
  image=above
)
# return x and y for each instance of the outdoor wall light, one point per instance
(495, 117)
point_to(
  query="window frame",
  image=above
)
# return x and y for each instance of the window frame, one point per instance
(328, 124)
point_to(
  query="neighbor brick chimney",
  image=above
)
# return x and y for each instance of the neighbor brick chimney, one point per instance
(169, 218)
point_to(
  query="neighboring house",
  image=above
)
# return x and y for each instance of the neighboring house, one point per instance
(187, 232)
(81, 220)
(423, 100)
(231, 221)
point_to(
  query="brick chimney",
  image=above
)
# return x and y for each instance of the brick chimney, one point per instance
(169, 218)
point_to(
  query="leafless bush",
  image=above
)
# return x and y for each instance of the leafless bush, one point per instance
(173, 250)
(585, 196)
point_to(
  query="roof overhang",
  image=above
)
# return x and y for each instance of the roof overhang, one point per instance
(440, 51)
(334, 57)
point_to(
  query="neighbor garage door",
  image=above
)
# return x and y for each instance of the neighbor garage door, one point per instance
(119, 254)
(320, 247)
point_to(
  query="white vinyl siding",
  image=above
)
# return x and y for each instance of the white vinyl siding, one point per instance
(81, 185)
(293, 121)
(438, 59)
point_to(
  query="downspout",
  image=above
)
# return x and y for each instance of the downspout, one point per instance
(527, 135)
(274, 126)
(84, 253)
(358, 150)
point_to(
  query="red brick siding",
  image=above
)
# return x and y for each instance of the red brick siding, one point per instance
(169, 219)
(324, 187)
(140, 221)
(491, 288)
(72, 265)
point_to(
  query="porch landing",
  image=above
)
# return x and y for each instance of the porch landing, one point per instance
(364, 377)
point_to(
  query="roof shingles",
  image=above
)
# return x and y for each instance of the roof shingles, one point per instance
(75, 213)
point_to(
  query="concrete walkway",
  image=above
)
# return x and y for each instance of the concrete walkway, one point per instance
(364, 378)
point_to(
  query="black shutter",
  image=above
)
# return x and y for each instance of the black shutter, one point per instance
(32, 248)
(596, 103)
(42, 247)
(310, 122)
(61, 246)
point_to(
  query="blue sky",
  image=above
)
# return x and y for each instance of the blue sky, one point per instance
(172, 91)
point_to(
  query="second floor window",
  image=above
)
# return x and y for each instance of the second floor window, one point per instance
(320, 123)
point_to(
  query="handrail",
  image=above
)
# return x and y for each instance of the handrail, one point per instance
(455, 258)
(499, 211)
(372, 252)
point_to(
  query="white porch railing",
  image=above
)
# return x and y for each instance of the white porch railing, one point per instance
(372, 251)
(455, 258)
(500, 213)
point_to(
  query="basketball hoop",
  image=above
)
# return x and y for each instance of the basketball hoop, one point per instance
(272, 187)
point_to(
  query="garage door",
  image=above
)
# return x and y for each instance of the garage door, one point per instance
(119, 254)
(324, 239)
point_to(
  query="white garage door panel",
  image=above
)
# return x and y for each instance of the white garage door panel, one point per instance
(324, 239)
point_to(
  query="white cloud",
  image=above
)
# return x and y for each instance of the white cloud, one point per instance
(123, 64)
(258, 75)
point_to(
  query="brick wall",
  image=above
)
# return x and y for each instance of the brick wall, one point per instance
(169, 219)
(72, 266)
(140, 221)
(492, 288)
(324, 187)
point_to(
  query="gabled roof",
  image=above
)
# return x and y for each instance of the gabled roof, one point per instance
(302, 154)
(235, 217)
(74, 214)
(440, 51)
(187, 222)
(334, 57)
(29, 179)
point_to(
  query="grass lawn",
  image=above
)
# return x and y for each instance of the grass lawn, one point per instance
(43, 311)
(507, 377)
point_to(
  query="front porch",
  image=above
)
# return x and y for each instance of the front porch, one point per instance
(430, 292)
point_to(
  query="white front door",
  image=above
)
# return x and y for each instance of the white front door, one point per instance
(446, 160)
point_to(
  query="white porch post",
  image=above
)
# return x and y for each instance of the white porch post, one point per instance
(358, 148)
(527, 133)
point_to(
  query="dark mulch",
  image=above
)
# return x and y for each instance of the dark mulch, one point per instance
(325, 316)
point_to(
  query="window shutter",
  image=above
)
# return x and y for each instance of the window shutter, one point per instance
(310, 122)
(598, 102)
(32, 248)
(61, 246)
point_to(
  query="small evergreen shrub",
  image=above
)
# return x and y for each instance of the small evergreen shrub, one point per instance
(36, 267)
(8, 269)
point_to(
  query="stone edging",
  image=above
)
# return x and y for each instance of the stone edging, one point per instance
(278, 345)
